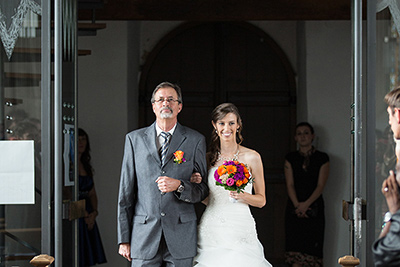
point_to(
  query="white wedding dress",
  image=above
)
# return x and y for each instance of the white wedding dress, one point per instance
(227, 232)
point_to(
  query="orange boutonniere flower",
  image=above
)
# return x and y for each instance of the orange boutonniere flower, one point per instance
(179, 157)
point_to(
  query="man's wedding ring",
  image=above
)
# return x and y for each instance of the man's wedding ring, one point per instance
(385, 189)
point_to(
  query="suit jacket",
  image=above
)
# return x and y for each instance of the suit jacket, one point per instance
(144, 214)
(387, 249)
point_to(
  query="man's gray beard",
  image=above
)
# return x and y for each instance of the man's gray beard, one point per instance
(166, 115)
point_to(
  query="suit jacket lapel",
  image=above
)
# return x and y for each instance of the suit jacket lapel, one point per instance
(177, 139)
(150, 141)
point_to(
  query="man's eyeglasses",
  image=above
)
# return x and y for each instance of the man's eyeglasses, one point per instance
(169, 100)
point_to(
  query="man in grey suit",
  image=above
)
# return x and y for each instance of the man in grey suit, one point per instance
(157, 223)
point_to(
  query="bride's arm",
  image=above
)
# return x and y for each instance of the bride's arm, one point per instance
(257, 171)
(196, 178)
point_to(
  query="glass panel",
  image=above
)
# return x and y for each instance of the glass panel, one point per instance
(70, 192)
(16, 20)
(387, 78)
(20, 94)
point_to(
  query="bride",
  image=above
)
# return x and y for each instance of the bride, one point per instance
(227, 233)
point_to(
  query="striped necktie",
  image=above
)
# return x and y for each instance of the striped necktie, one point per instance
(165, 145)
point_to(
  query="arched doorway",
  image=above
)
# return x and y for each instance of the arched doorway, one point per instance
(220, 62)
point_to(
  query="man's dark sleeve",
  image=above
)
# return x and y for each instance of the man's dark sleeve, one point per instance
(386, 249)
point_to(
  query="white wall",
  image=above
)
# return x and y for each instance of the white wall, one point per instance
(108, 95)
(103, 112)
(328, 67)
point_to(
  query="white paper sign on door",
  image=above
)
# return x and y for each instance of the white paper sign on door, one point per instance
(17, 172)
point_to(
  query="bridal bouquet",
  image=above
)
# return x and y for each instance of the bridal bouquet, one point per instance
(233, 176)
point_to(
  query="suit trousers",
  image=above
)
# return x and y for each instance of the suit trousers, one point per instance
(162, 259)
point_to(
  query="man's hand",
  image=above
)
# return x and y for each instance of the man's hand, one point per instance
(125, 251)
(167, 184)
(390, 189)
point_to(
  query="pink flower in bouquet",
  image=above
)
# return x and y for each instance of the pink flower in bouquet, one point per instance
(230, 181)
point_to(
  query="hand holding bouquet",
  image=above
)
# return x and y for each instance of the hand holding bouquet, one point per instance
(233, 176)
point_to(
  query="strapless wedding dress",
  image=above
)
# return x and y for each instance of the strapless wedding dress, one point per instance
(227, 232)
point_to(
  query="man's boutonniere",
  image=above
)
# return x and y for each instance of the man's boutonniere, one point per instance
(179, 157)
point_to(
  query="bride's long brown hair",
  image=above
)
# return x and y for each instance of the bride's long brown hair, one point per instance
(219, 113)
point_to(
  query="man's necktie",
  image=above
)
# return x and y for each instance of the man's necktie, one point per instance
(164, 146)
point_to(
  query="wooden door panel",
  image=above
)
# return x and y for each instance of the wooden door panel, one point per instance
(267, 136)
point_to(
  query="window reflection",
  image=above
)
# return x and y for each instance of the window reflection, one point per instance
(387, 79)
(20, 95)
(13, 18)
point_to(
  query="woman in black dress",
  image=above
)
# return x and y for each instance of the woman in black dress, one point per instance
(91, 250)
(306, 173)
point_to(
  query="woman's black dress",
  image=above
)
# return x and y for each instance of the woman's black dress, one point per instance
(306, 235)
(91, 250)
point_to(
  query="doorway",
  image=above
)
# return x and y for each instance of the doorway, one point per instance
(236, 62)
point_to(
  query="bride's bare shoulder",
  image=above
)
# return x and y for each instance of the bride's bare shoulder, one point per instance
(249, 154)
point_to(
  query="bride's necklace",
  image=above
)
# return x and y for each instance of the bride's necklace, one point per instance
(234, 158)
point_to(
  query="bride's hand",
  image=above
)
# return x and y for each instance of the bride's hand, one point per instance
(236, 195)
(195, 178)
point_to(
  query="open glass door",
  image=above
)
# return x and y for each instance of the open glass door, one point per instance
(384, 76)
(72, 209)
(67, 210)
(20, 124)
(387, 78)
(29, 126)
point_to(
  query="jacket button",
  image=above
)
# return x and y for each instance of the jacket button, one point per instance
(162, 214)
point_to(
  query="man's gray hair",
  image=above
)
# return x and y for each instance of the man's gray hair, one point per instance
(168, 85)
